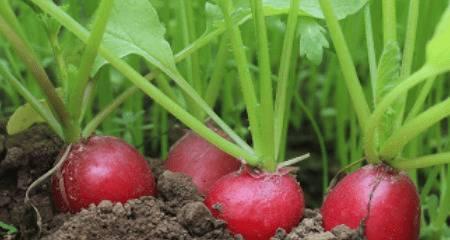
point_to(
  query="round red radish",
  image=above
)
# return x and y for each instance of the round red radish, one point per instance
(201, 160)
(384, 198)
(256, 205)
(101, 168)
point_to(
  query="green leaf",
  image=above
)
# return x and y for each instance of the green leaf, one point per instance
(312, 39)
(134, 28)
(9, 228)
(388, 76)
(342, 8)
(438, 48)
(25, 116)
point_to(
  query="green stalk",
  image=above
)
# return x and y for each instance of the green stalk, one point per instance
(420, 100)
(142, 83)
(100, 117)
(215, 84)
(182, 15)
(283, 76)
(63, 76)
(410, 39)
(371, 50)
(400, 137)
(35, 104)
(32, 63)
(423, 161)
(8, 14)
(348, 68)
(87, 60)
(248, 89)
(266, 90)
(444, 208)
(369, 140)
(389, 21)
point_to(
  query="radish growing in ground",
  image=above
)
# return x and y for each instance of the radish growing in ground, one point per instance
(100, 168)
(199, 159)
(381, 200)
(96, 168)
(256, 204)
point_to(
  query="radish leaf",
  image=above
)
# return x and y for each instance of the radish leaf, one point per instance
(312, 39)
(438, 48)
(388, 76)
(134, 28)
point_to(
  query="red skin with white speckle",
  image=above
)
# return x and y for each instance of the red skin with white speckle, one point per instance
(201, 160)
(101, 168)
(255, 205)
(394, 208)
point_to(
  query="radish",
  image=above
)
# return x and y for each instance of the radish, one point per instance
(199, 159)
(255, 205)
(101, 168)
(382, 199)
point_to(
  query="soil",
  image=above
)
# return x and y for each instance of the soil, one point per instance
(177, 212)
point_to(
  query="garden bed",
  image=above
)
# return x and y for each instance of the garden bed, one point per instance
(176, 213)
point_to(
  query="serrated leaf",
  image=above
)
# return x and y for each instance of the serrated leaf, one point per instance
(134, 28)
(312, 39)
(388, 76)
(438, 48)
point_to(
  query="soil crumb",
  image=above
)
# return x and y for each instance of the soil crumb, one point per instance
(310, 228)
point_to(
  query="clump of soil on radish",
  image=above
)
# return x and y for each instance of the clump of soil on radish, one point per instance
(177, 212)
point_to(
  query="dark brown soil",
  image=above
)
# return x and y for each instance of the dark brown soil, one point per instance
(176, 213)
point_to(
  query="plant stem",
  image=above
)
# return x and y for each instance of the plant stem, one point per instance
(33, 65)
(35, 104)
(143, 84)
(100, 117)
(8, 14)
(215, 84)
(374, 121)
(283, 76)
(423, 161)
(348, 68)
(371, 50)
(400, 137)
(63, 76)
(248, 89)
(410, 39)
(389, 21)
(266, 91)
(87, 60)
(420, 100)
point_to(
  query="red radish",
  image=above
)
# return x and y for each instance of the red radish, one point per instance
(385, 198)
(199, 159)
(255, 205)
(101, 168)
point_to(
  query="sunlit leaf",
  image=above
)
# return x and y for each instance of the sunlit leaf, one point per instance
(134, 28)
(438, 48)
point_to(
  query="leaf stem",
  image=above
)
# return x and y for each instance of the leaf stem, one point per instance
(389, 21)
(423, 161)
(87, 60)
(371, 50)
(410, 39)
(266, 90)
(37, 106)
(215, 83)
(400, 137)
(283, 76)
(31, 62)
(348, 68)
(248, 89)
(100, 117)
